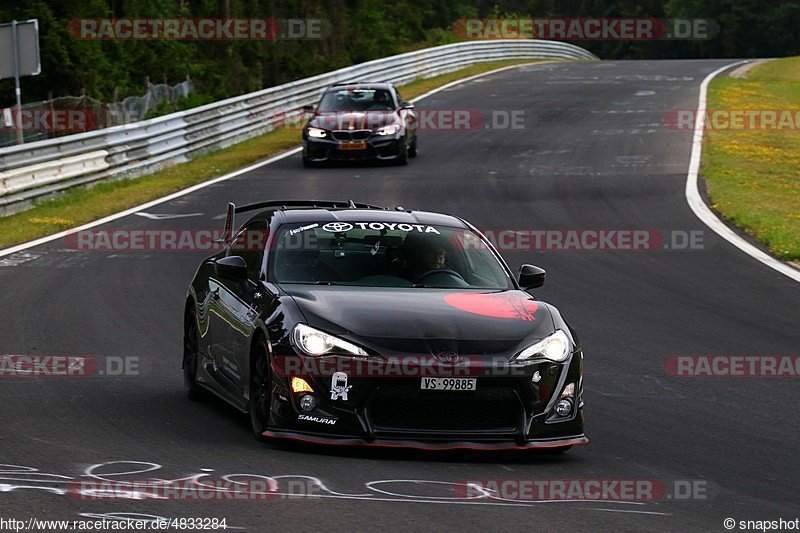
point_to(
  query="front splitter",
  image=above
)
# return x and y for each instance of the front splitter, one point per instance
(424, 445)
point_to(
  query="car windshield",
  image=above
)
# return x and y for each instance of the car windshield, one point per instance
(384, 254)
(356, 100)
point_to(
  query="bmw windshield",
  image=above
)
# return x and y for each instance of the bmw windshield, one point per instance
(356, 100)
(384, 254)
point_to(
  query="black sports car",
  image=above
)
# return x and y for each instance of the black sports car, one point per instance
(345, 323)
(358, 122)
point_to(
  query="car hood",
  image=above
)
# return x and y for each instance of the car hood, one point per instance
(358, 120)
(427, 321)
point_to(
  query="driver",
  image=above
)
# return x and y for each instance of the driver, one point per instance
(433, 258)
(380, 100)
(424, 256)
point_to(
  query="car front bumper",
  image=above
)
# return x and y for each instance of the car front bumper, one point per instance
(513, 407)
(377, 147)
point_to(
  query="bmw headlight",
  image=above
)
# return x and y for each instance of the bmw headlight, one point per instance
(554, 348)
(317, 133)
(391, 129)
(315, 342)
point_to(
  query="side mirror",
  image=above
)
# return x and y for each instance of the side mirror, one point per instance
(531, 277)
(308, 108)
(232, 267)
(406, 105)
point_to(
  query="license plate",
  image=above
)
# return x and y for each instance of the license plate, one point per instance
(353, 146)
(465, 384)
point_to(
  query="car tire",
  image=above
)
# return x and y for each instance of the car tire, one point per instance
(412, 150)
(191, 359)
(260, 384)
(402, 154)
(309, 163)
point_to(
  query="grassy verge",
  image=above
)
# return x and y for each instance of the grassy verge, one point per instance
(82, 205)
(753, 175)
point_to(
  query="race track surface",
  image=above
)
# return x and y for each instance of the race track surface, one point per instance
(593, 154)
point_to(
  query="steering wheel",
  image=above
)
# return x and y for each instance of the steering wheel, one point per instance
(446, 271)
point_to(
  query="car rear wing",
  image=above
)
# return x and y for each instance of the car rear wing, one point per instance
(285, 204)
(343, 83)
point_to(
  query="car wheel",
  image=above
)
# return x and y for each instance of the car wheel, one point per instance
(412, 150)
(402, 154)
(308, 163)
(191, 359)
(260, 397)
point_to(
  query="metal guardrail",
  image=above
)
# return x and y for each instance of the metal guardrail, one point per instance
(34, 171)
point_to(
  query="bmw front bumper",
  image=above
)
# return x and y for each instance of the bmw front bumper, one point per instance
(376, 147)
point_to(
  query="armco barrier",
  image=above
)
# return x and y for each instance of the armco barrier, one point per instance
(36, 170)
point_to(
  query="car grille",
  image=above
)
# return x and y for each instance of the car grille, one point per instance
(393, 408)
(347, 135)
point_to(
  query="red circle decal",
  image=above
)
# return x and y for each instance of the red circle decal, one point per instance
(500, 305)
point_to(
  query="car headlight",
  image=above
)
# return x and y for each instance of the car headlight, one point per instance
(315, 342)
(391, 129)
(554, 348)
(317, 133)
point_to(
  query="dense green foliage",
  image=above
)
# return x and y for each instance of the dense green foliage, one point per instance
(361, 30)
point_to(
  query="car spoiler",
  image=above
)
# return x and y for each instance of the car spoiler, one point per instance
(342, 83)
(283, 204)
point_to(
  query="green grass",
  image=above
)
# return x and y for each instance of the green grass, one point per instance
(753, 176)
(81, 205)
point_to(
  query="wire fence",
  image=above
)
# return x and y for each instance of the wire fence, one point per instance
(67, 115)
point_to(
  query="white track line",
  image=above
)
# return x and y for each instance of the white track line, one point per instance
(626, 511)
(284, 155)
(699, 207)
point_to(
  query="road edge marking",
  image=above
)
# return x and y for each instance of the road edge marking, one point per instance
(698, 205)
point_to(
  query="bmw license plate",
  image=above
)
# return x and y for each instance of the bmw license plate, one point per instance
(353, 146)
(465, 384)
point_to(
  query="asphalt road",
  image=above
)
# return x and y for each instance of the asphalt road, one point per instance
(593, 153)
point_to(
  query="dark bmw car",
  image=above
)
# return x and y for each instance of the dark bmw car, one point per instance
(351, 324)
(360, 122)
